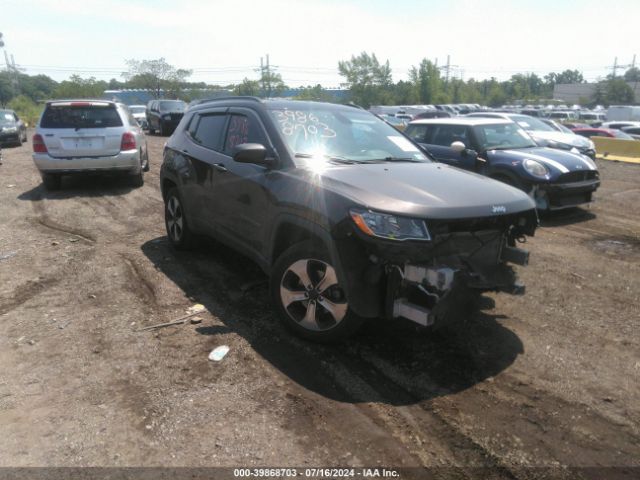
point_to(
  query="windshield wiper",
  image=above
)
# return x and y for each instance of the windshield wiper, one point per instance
(331, 158)
(400, 159)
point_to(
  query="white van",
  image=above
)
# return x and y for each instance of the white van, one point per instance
(623, 112)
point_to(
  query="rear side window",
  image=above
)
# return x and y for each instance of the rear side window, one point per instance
(208, 131)
(68, 116)
(445, 135)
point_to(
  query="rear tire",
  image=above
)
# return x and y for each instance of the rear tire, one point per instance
(137, 180)
(52, 181)
(180, 235)
(307, 296)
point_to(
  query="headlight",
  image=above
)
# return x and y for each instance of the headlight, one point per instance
(592, 146)
(389, 226)
(558, 145)
(535, 168)
(10, 129)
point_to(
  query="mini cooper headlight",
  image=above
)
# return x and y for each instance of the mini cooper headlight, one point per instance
(389, 226)
(535, 168)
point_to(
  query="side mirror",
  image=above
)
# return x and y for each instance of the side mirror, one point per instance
(468, 152)
(458, 147)
(252, 153)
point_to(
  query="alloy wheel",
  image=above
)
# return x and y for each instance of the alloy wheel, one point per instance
(311, 295)
(175, 219)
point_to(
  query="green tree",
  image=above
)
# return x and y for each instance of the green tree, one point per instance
(78, 87)
(7, 91)
(272, 83)
(316, 94)
(427, 81)
(37, 87)
(368, 80)
(632, 75)
(567, 76)
(405, 93)
(618, 91)
(157, 76)
(28, 110)
(248, 87)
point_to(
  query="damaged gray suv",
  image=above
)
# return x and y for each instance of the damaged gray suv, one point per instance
(349, 218)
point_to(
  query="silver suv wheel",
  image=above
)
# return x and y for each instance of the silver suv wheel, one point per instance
(311, 295)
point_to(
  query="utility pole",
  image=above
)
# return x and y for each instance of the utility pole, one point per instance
(616, 67)
(268, 78)
(447, 68)
(262, 75)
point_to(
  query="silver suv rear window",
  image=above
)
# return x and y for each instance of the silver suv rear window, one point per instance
(80, 116)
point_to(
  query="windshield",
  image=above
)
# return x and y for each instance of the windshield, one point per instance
(502, 136)
(137, 109)
(6, 118)
(172, 106)
(314, 131)
(620, 134)
(530, 123)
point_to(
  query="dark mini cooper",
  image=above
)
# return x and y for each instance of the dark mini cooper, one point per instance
(349, 218)
(502, 150)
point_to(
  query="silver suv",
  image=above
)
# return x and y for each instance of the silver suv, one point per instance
(76, 136)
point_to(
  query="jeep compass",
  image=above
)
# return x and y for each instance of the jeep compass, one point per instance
(349, 218)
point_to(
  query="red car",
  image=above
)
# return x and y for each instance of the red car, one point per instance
(601, 132)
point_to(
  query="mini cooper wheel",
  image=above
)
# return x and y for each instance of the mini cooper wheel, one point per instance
(308, 296)
(178, 231)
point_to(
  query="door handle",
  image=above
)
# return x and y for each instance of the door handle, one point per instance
(220, 167)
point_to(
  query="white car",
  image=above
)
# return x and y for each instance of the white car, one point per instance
(139, 112)
(75, 136)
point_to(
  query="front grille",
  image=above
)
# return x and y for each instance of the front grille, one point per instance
(578, 176)
(494, 223)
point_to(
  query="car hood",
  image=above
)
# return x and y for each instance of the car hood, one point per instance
(557, 161)
(424, 190)
(561, 137)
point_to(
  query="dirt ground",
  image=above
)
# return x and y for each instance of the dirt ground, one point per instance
(549, 379)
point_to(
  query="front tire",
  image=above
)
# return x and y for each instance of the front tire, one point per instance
(180, 235)
(308, 297)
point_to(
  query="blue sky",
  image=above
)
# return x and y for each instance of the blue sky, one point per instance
(223, 40)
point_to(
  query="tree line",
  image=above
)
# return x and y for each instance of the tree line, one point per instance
(368, 81)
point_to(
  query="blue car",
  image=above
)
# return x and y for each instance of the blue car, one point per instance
(502, 150)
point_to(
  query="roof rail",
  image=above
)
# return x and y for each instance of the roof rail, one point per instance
(220, 99)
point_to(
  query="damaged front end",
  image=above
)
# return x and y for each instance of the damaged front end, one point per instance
(426, 280)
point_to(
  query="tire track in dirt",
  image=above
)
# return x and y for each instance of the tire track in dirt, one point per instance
(42, 218)
(141, 285)
(25, 292)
